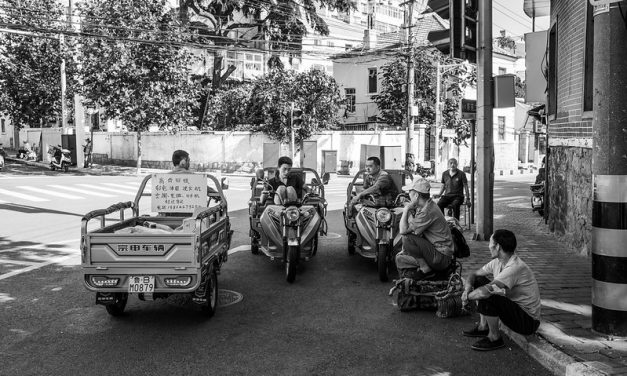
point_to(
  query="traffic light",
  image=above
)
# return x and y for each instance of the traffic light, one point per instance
(297, 118)
(460, 39)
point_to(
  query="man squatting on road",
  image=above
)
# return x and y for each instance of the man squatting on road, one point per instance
(513, 296)
(427, 239)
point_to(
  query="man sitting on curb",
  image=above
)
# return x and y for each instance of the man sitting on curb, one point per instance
(513, 296)
(427, 239)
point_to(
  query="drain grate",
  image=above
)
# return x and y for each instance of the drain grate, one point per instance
(228, 297)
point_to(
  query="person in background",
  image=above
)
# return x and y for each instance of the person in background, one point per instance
(87, 149)
(454, 183)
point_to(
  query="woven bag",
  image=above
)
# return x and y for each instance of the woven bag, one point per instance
(449, 301)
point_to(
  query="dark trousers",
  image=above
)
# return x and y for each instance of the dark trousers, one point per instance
(454, 201)
(509, 312)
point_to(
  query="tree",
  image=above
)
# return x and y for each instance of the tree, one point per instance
(314, 92)
(134, 65)
(30, 63)
(227, 109)
(392, 100)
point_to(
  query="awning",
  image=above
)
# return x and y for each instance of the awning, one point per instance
(537, 8)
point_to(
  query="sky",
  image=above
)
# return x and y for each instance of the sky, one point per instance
(508, 15)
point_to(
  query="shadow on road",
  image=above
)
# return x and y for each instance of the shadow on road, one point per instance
(34, 210)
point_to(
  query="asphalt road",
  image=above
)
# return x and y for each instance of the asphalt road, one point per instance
(336, 319)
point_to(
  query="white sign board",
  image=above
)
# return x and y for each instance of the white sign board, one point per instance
(178, 193)
(603, 2)
(449, 132)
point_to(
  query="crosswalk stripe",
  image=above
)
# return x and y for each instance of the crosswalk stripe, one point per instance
(91, 186)
(51, 193)
(122, 186)
(99, 194)
(510, 198)
(22, 196)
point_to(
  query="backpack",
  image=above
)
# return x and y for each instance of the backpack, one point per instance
(460, 247)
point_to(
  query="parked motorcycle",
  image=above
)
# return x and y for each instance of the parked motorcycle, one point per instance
(373, 231)
(287, 233)
(59, 158)
(537, 198)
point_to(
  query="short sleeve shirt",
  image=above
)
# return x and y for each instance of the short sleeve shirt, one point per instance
(293, 180)
(383, 185)
(454, 185)
(522, 287)
(430, 223)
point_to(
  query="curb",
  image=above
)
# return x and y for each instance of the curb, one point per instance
(558, 362)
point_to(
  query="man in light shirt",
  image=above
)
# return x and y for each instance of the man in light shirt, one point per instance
(512, 296)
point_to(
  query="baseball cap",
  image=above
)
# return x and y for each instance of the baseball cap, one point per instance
(421, 186)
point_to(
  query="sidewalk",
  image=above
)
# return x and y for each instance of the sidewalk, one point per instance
(564, 342)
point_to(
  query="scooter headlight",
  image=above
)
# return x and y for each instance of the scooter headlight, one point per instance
(292, 214)
(383, 215)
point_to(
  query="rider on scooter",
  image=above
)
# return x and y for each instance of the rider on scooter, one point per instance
(288, 188)
(378, 183)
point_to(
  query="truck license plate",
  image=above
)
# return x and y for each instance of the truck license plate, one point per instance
(145, 284)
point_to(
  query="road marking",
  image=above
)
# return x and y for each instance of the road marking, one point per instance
(241, 248)
(22, 196)
(121, 186)
(34, 267)
(51, 193)
(80, 191)
(91, 186)
(39, 246)
(17, 262)
(510, 198)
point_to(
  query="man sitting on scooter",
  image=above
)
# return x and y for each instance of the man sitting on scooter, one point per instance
(378, 183)
(287, 187)
(427, 239)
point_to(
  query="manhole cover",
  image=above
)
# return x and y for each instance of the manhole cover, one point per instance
(228, 297)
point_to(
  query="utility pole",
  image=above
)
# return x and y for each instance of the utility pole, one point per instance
(609, 173)
(485, 141)
(409, 145)
(438, 120)
(63, 77)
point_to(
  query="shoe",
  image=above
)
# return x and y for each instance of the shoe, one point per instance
(421, 276)
(476, 332)
(485, 344)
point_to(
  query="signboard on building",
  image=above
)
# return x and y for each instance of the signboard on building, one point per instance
(449, 132)
(178, 193)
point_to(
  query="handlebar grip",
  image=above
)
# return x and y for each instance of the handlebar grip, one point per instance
(111, 209)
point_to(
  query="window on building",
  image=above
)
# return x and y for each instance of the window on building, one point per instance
(372, 80)
(317, 42)
(319, 67)
(589, 51)
(330, 44)
(552, 70)
(501, 121)
(350, 99)
(3, 126)
(502, 71)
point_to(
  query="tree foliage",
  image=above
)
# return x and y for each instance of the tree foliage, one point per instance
(392, 99)
(283, 23)
(139, 72)
(265, 104)
(30, 63)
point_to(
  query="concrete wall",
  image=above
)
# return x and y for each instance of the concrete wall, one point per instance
(570, 132)
(229, 151)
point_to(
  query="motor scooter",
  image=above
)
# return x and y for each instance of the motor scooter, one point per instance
(59, 158)
(537, 197)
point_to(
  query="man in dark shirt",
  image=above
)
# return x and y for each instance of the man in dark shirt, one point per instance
(288, 187)
(377, 183)
(454, 183)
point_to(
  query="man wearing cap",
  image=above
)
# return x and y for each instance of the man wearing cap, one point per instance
(427, 239)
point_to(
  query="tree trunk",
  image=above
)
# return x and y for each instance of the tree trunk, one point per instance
(139, 152)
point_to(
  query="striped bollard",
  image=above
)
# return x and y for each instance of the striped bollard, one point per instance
(609, 255)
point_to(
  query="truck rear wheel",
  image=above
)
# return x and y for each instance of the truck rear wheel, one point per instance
(211, 294)
(117, 307)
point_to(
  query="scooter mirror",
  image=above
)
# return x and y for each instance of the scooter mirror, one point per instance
(225, 183)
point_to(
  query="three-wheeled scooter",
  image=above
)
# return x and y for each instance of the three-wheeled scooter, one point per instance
(288, 233)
